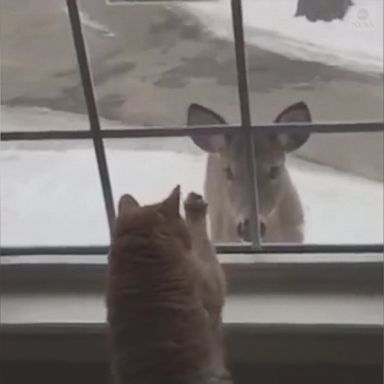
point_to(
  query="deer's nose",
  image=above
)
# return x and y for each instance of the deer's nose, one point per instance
(263, 228)
(244, 230)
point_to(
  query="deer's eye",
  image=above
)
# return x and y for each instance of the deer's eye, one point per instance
(228, 173)
(274, 172)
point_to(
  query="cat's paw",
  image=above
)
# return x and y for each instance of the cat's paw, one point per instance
(195, 205)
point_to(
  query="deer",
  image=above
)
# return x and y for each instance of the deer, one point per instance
(281, 214)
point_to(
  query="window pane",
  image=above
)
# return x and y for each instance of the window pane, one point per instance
(340, 182)
(150, 169)
(38, 64)
(151, 61)
(335, 65)
(51, 196)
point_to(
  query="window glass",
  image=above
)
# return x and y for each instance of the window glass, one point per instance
(151, 61)
(51, 195)
(39, 72)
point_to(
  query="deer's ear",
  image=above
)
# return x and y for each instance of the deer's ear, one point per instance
(295, 113)
(170, 206)
(126, 204)
(199, 115)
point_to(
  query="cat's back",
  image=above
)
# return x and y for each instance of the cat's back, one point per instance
(158, 327)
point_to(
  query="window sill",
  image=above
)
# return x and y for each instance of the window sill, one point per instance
(328, 272)
(260, 328)
(285, 309)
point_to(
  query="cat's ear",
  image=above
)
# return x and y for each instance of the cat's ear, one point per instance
(171, 205)
(126, 204)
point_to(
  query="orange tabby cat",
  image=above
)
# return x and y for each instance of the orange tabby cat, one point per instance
(163, 321)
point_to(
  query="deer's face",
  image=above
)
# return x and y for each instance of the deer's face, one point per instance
(269, 152)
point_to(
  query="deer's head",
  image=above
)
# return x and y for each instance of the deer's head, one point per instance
(270, 153)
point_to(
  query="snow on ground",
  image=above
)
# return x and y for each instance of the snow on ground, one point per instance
(54, 197)
(339, 207)
(355, 42)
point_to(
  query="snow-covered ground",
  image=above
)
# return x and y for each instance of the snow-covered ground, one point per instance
(53, 196)
(355, 42)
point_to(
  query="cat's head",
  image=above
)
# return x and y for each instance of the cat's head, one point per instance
(169, 207)
(161, 220)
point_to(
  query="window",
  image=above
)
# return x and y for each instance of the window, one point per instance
(71, 145)
(360, 214)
